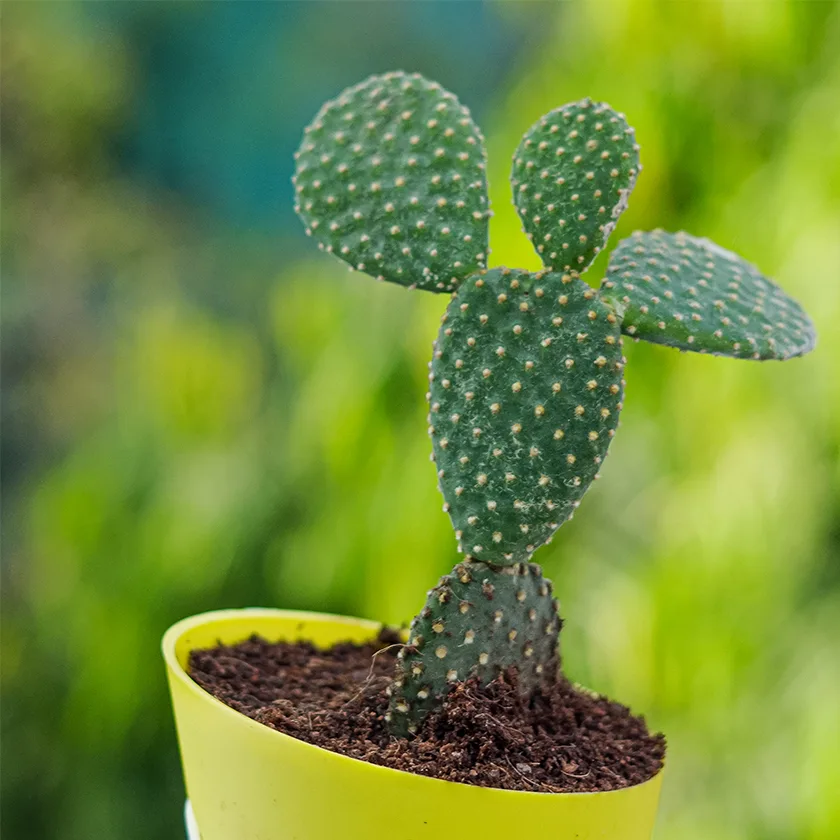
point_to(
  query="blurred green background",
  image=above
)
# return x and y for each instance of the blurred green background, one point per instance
(200, 410)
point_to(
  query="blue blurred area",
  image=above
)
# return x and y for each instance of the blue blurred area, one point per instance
(220, 90)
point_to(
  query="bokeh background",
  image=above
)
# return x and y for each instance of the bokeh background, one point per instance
(200, 410)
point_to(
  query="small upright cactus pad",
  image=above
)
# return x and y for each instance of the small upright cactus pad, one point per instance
(526, 389)
(572, 175)
(689, 293)
(477, 621)
(391, 179)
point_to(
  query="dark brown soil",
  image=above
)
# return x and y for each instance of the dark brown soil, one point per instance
(561, 740)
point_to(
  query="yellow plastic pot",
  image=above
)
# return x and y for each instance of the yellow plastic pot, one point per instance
(249, 782)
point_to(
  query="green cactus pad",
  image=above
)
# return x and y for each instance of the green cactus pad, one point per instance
(526, 389)
(572, 176)
(478, 621)
(689, 293)
(391, 179)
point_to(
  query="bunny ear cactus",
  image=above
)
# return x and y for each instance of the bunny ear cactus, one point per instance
(526, 382)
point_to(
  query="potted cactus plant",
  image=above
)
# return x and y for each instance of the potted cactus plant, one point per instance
(525, 391)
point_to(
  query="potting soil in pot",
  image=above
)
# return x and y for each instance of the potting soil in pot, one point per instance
(562, 740)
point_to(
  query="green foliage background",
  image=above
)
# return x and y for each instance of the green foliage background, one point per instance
(201, 416)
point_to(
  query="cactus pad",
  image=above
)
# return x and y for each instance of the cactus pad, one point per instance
(689, 293)
(390, 178)
(572, 176)
(526, 389)
(479, 620)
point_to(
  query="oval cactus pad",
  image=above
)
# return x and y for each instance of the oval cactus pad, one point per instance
(689, 293)
(478, 621)
(526, 389)
(572, 176)
(390, 178)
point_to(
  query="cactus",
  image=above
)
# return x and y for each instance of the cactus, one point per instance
(477, 620)
(526, 380)
(689, 293)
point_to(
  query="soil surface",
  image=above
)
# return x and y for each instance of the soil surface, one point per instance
(561, 740)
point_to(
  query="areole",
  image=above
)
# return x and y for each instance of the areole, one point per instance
(246, 781)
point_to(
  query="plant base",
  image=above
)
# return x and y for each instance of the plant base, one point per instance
(249, 782)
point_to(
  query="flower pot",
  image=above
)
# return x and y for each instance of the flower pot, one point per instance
(249, 782)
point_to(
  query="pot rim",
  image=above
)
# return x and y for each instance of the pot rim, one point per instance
(177, 630)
